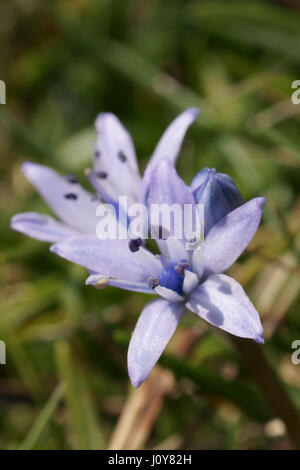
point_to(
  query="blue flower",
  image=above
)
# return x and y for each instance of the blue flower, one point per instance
(182, 279)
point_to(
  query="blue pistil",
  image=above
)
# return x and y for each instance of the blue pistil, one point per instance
(172, 276)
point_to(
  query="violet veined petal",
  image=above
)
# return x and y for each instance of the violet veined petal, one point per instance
(154, 329)
(41, 227)
(170, 143)
(168, 194)
(190, 281)
(221, 301)
(168, 294)
(115, 165)
(218, 193)
(112, 258)
(68, 200)
(167, 187)
(99, 282)
(115, 139)
(229, 237)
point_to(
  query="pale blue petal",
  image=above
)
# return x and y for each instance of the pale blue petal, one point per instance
(167, 189)
(77, 211)
(170, 143)
(154, 329)
(116, 160)
(41, 227)
(230, 236)
(112, 258)
(221, 301)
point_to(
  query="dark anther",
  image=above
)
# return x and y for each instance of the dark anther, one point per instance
(71, 196)
(122, 156)
(72, 179)
(134, 244)
(153, 282)
(97, 153)
(181, 267)
(101, 174)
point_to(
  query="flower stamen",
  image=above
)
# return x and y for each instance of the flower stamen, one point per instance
(135, 244)
(153, 282)
(181, 267)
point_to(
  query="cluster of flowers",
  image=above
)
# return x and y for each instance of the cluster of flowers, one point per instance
(181, 278)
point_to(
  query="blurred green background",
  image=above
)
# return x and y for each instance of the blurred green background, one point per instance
(65, 384)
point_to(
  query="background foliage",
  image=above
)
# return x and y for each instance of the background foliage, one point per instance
(65, 383)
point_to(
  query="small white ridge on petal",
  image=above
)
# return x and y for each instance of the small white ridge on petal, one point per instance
(190, 281)
(168, 294)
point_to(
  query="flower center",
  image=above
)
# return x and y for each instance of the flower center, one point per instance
(172, 275)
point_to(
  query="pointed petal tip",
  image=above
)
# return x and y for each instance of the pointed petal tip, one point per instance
(14, 220)
(14, 224)
(136, 378)
(100, 116)
(41, 227)
(164, 162)
(106, 115)
(54, 248)
(162, 165)
(27, 166)
(26, 163)
(17, 219)
(259, 340)
(194, 111)
(33, 170)
(90, 281)
(97, 281)
(136, 383)
(260, 201)
(208, 170)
